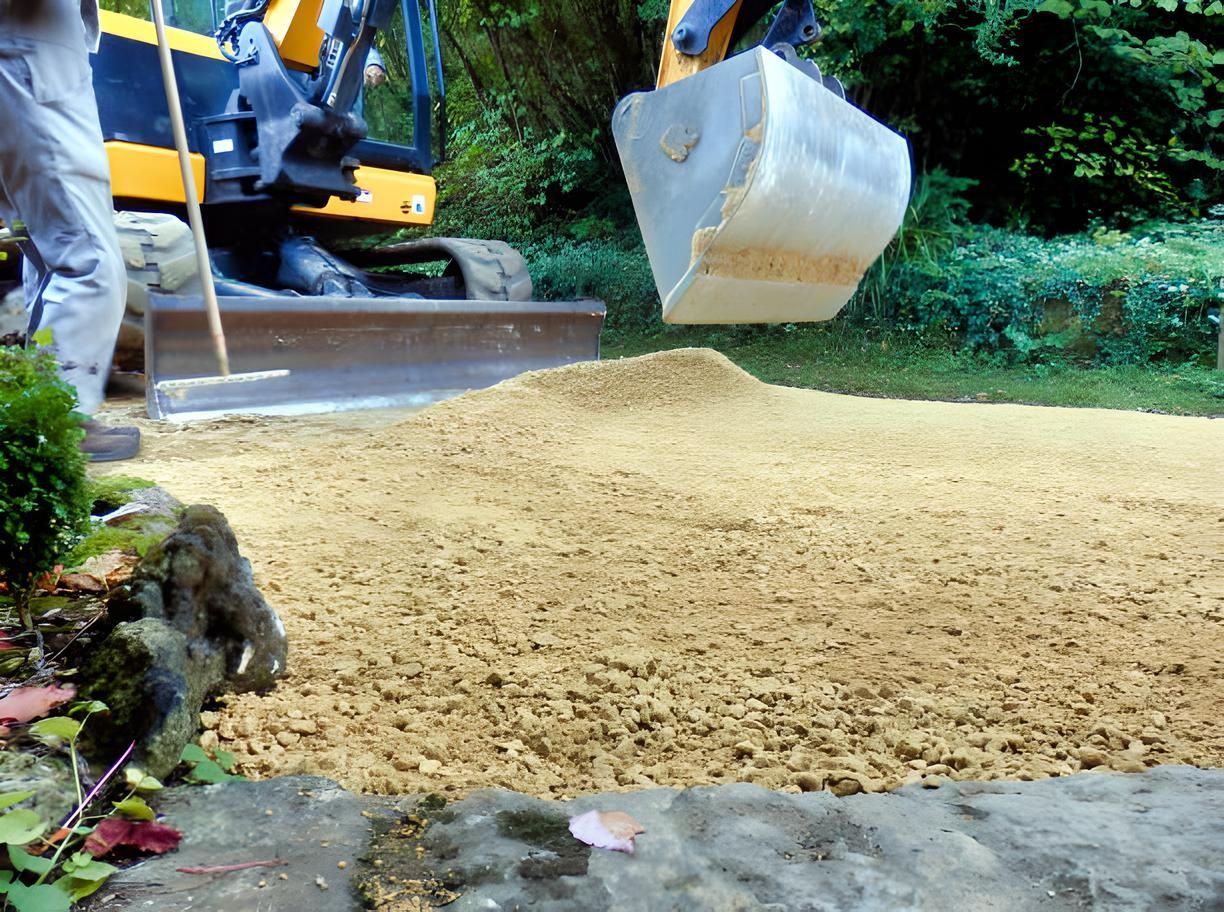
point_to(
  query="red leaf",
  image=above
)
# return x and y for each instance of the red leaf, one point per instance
(144, 835)
(49, 580)
(26, 703)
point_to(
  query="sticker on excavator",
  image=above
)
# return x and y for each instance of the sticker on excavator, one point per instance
(763, 196)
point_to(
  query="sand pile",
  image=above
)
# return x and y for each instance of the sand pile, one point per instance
(660, 571)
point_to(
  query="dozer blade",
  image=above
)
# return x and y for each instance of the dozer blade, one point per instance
(762, 195)
(350, 353)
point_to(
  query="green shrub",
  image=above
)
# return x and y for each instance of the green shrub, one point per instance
(934, 220)
(44, 497)
(1130, 298)
(502, 184)
(615, 271)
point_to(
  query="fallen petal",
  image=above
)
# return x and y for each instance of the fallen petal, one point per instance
(612, 830)
(27, 703)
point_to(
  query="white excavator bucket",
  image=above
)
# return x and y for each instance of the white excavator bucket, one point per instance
(762, 194)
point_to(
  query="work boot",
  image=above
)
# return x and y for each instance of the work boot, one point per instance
(97, 427)
(109, 444)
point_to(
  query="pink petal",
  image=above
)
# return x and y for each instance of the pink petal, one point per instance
(27, 703)
(606, 830)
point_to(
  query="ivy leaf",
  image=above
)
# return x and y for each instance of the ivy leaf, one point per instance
(135, 807)
(24, 861)
(88, 706)
(38, 898)
(10, 798)
(193, 753)
(209, 772)
(55, 730)
(85, 880)
(21, 827)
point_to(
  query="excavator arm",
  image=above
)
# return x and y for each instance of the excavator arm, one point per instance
(763, 195)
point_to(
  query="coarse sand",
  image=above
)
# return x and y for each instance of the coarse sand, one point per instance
(660, 571)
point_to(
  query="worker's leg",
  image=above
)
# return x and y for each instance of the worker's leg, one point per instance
(55, 179)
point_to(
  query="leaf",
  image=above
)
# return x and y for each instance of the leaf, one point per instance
(193, 753)
(56, 729)
(144, 835)
(24, 861)
(135, 807)
(613, 830)
(141, 781)
(209, 772)
(43, 337)
(82, 582)
(84, 878)
(38, 898)
(88, 706)
(113, 566)
(20, 827)
(26, 703)
(10, 798)
(226, 760)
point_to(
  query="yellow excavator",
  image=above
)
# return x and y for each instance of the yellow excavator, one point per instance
(762, 194)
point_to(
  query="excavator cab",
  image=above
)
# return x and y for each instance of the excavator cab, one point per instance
(763, 195)
(289, 175)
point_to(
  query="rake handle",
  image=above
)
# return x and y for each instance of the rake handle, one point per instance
(189, 190)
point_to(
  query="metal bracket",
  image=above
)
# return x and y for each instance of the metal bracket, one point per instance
(795, 23)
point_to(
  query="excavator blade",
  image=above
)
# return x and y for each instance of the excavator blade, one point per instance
(349, 353)
(763, 195)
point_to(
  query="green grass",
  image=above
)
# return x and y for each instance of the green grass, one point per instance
(844, 358)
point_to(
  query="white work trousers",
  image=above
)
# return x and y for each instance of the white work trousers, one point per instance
(54, 177)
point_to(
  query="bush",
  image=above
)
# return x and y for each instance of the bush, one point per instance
(44, 497)
(1115, 297)
(615, 271)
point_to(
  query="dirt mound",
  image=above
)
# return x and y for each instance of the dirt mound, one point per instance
(661, 571)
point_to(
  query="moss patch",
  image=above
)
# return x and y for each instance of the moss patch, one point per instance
(110, 492)
(137, 535)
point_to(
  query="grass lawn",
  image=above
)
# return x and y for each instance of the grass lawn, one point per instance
(844, 358)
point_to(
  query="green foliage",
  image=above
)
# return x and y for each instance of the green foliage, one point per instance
(1021, 95)
(613, 270)
(503, 184)
(935, 218)
(206, 770)
(104, 539)
(44, 498)
(1118, 298)
(33, 885)
(109, 492)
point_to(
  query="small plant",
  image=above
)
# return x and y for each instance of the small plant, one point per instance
(44, 497)
(52, 870)
(206, 770)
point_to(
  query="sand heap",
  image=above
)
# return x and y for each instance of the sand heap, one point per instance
(660, 571)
